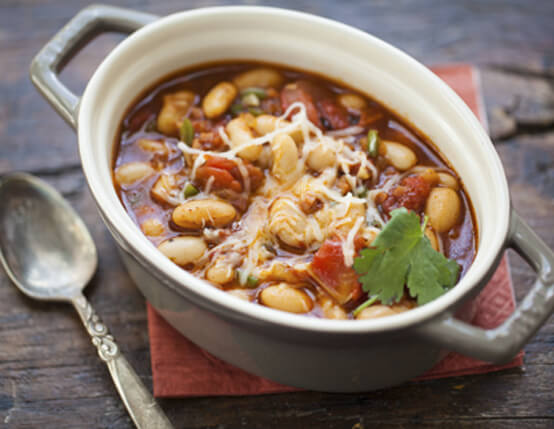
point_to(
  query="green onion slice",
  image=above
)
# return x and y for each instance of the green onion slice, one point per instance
(360, 191)
(250, 100)
(255, 111)
(190, 190)
(258, 92)
(373, 143)
(252, 281)
(187, 132)
(236, 109)
(425, 221)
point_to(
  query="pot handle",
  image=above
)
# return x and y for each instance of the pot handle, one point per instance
(86, 25)
(501, 344)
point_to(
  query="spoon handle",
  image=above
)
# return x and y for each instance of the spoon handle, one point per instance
(140, 404)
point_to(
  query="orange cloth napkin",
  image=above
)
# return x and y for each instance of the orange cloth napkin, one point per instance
(180, 368)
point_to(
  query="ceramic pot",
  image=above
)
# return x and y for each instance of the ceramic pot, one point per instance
(319, 354)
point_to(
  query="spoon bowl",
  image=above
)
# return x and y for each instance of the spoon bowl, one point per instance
(48, 253)
(45, 247)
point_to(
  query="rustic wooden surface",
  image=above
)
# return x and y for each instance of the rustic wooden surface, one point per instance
(50, 376)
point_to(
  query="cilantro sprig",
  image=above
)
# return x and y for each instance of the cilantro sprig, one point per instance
(402, 255)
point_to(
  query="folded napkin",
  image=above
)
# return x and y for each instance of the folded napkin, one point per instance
(180, 368)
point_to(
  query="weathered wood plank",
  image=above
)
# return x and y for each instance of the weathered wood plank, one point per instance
(49, 374)
(518, 103)
(483, 398)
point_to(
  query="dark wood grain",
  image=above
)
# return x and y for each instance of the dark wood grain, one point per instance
(50, 376)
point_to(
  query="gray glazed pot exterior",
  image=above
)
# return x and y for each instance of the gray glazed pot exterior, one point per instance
(298, 358)
(323, 363)
(294, 350)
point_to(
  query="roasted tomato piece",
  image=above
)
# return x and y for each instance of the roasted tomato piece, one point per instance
(219, 162)
(221, 169)
(412, 192)
(328, 269)
(256, 176)
(222, 178)
(321, 107)
(333, 113)
(227, 175)
(297, 91)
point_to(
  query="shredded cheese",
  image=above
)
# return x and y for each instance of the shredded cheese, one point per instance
(199, 161)
(209, 184)
(348, 249)
(244, 246)
(346, 131)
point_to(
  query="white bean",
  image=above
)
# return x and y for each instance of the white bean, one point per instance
(321, 157)
(240, 133)
(352, 102)
(262, 77)
(286, 298)
(220, 272)
(430, 176)
(174, 109)
(197, 214)
(132, 172)
(285, 156)
(443, 208)
(400, 156)
(164, 188)
(267, 123)
(331, 310)
(280, 271)
(153, 146)
(289, 224)
(448, 180)
(266, 157)
(219, 99)
(375, 311)
(152, 227)
(183, 250)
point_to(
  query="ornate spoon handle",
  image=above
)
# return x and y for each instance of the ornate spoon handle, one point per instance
(140, 404)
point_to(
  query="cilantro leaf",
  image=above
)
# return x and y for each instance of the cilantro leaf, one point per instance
(402, 255)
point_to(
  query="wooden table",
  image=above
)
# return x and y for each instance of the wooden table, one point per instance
(50, 376)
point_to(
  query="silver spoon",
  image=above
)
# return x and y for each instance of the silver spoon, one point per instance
(49, 254)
